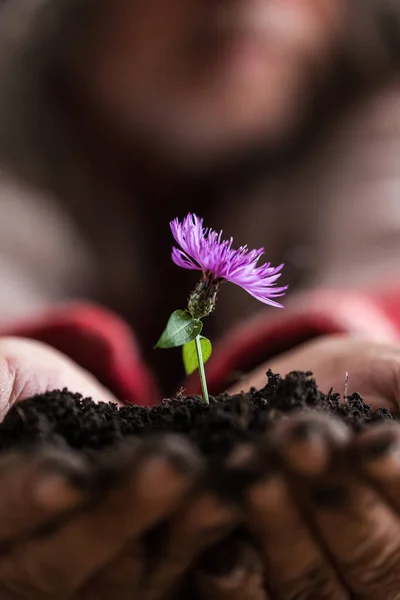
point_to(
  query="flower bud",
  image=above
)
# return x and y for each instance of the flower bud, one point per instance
(203, 299)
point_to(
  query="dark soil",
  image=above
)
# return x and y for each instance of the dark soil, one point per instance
(63, 417)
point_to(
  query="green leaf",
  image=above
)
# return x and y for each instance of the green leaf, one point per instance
(189, 354)
(180, 330)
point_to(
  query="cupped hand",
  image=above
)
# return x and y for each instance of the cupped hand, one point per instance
(28, 368)
(373, 368)
(73, 529)
(325, 522)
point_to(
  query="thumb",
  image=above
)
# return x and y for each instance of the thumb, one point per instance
(28, 368)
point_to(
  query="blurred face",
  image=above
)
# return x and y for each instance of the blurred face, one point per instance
(200, 79)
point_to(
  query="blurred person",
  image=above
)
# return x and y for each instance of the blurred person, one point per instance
(126, 106)
(110, 110)
(274, 120)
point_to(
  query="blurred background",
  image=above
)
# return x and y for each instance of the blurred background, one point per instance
(276, 120)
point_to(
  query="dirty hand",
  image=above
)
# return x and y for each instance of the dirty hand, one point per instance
(73, 529)
(373, 368)
(326, 521)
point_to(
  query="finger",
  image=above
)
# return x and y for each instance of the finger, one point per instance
(231, 570)
(159, 474)
(156, 568)
(37, 489)
(295, 565)
(376, 451)
(202, 520)
(357, 527)
(28, 368)
(208, 518)
(205, 521)
(373, 368)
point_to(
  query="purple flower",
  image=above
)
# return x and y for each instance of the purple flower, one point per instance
(203, 249)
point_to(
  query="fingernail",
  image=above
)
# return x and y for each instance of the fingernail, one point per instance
(304, 430)
(317, 425)
(306, 449)
(212, 516)
(379, 456)
(56, 493)
(182, 455)
(329, 496)
(176, 450)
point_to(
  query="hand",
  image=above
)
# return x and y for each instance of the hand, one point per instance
(327, 519)
(373, 368)
(28, 368)
(71, 529)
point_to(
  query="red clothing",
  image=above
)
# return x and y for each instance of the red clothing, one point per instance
(103, 344)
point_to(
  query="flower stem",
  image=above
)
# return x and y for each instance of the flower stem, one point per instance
(201, 370)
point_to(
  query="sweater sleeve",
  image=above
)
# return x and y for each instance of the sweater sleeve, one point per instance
(103, 344)
(309, 315)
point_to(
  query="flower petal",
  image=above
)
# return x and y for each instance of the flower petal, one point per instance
(204, 249)
(183, 260)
